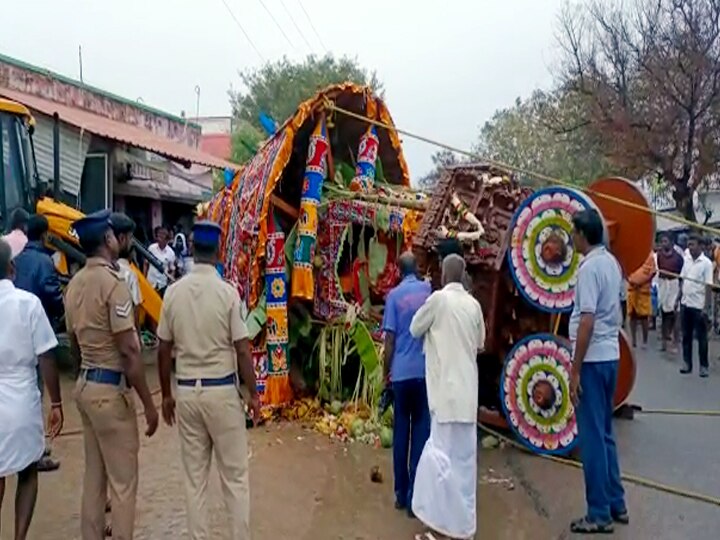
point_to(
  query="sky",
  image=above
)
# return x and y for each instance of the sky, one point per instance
(446, 65)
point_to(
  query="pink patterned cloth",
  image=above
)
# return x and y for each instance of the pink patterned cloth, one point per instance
(17, 241)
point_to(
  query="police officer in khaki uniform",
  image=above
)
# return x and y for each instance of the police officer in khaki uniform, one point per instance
(201, 320)
(101, 326)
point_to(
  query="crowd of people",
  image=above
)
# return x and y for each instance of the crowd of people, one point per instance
(677, 282)
(207, 347)
(432, 340)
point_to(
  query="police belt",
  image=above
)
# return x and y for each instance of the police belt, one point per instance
(102, 376)
(228, 380)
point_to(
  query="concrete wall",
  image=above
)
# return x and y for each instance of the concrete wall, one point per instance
(215, 124)
(16, 75)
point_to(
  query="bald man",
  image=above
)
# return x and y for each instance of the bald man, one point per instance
(405, 372)
(453, 329)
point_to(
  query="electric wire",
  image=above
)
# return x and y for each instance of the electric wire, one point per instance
(262, 3)
(297, 26)
(317, 35)
(242, 29)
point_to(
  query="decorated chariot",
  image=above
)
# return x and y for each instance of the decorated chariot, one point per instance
(312, 227)
(518, 246)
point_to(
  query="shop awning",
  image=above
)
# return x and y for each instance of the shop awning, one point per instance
(119, 131)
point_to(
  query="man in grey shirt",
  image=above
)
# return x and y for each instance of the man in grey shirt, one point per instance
(594, 328)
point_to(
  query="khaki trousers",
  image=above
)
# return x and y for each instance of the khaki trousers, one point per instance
(212, 420)
(110, 431)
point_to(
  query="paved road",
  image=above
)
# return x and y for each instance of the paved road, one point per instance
(677, 450)
(306, 488)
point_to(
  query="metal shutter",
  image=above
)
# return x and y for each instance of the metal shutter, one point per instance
(73, 150)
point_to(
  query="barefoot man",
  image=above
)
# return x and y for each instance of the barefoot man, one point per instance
(639, 302)
(670, 264)
(25, 337)
(451, 323)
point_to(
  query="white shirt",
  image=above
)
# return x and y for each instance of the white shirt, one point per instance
(24, 334)
(167, 257)
(451, 321)
(700, 271)
(131, 279)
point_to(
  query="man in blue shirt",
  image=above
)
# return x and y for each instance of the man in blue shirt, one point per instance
(405, 368)
(594, 329)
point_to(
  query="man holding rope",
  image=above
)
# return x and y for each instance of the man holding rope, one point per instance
(670, 264)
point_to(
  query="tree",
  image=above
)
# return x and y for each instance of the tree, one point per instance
(246, 139)
(277, 88)
(545, 133)
(441, 160)
(649, 78)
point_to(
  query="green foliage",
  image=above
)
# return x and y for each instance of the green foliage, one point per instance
(440, 159)
(546, 133)
(377, 259)
(279, 87)
(246, 139)
(257, 317)
(218, 180)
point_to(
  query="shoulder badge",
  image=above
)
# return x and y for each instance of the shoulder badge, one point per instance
(123, 310)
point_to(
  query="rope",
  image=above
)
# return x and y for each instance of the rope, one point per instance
(526, 172)
(677, 412)
(556, 325)
(678, 276)
(633, 479)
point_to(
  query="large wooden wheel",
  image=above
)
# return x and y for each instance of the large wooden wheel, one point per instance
(541, 255)
(631, 228)
(535, 394)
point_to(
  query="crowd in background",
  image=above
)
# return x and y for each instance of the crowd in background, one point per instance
(678, 284)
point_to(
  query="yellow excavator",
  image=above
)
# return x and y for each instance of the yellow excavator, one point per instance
(21, 187)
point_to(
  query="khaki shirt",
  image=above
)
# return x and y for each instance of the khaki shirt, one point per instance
(201, 317)
(98, 306)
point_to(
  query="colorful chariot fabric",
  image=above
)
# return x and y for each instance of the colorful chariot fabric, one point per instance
(364, 180)
(277, 386)
(246, 228)
(303, 285)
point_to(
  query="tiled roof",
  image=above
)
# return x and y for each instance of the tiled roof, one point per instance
(118, 131)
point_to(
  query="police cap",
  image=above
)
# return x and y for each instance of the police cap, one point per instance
(121, 223)
(206, 234)
(92, 227)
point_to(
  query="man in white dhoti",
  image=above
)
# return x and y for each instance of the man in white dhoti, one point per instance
(451, 323)
(25, 336)
(669, 264)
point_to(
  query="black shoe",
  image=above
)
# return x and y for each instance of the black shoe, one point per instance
(623, 518)
(685, 369)
(400, 506)
(47, 465)
(585, 526)
(410, 513)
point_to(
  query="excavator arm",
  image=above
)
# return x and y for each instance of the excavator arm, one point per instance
(63, 239)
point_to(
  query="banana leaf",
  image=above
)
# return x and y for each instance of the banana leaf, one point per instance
(382, 218)
(363, 279)
(365, 346)
(379, 173)
(345, 171)
(258, 317)
(377, 259)
(290, 240)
